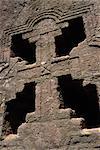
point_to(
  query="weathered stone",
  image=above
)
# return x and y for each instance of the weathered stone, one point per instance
(49, 75)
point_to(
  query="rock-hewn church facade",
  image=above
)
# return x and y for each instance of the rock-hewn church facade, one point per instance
(50, 77)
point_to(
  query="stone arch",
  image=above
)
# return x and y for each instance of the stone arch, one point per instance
(29, 26)
(46, 15)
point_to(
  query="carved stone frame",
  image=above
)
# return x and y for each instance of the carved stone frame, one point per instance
(60, 18)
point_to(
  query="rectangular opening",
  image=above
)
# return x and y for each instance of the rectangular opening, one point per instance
(71, 37)
(22, 48)
(16, 109)
(83, 99)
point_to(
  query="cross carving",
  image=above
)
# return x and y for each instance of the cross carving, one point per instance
(44, 73)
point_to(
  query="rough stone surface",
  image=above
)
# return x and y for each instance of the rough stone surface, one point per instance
(52, 124)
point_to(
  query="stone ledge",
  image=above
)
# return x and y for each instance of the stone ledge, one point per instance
(91, 131)
(60, 114)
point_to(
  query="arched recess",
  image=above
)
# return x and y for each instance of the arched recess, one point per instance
(30, 24)
(19, 31)
(57, 14)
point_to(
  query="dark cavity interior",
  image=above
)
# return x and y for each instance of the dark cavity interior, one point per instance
(83, 99)
(23, 49)
(71, 37)
(17, 109)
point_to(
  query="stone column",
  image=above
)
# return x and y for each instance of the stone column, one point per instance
(2, 109)
(98, 19)
(44, 48)
(46, 101)
(6, 54)
(49, 98)
(38, 100)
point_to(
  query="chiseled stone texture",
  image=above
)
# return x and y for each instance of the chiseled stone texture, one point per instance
(9, 10)
(39, 22)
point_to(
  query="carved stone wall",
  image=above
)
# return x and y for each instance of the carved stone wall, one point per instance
(49, 126)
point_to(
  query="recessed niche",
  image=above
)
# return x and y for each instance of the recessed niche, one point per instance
(71, 37)
(16, 109)
(22, 48)
(83, 99)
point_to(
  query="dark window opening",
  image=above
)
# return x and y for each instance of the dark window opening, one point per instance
(82, 99)
(22, 48)
(17, 109)
(71, 37)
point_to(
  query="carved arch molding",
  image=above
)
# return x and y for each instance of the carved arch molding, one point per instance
(57, 13)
